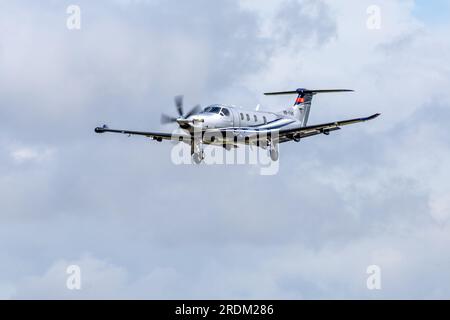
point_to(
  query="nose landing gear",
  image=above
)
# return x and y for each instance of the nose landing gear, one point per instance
(197, 153)
(197, 158)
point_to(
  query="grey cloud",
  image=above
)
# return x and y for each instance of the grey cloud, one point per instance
(338, 204)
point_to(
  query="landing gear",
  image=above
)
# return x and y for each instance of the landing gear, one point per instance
(273, 150)
(197, 151)
(197, 158)
(274, 154)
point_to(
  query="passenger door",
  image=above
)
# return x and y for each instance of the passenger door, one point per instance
(236, 117)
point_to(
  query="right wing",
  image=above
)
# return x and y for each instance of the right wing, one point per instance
(297, 132)
(308, 131)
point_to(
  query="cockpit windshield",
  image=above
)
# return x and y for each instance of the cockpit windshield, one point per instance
(212, 109)
(215, 108)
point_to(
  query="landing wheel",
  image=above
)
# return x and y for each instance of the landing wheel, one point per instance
(273, 150)
(274, 154)
(197, 151)
(197, 158)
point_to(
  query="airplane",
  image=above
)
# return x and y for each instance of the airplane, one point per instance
(230, 126)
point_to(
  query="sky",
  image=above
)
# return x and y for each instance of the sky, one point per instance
(432, 12)
(139, 226)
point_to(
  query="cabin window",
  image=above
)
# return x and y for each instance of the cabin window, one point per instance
(242, 116)
(265, 120)
(248, 117)
(256, 118)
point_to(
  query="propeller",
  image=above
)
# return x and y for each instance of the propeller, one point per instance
(179, 106)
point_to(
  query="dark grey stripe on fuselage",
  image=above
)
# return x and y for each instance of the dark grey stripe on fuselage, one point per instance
(264, 126)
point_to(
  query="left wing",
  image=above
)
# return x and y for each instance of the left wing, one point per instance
(158, 136)
(325, 128)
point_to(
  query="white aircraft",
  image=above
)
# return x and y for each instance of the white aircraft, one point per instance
(229, 126)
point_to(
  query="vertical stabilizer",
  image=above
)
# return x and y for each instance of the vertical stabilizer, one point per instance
(302, 105)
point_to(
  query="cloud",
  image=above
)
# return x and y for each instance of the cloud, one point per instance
(98, 279)
(25, 154)
(374, 193)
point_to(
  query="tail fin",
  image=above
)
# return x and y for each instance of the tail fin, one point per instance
(302, 104)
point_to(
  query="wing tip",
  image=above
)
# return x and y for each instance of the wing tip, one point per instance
(101, 129)
(376, 115)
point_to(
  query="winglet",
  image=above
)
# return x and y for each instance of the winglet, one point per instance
(101, 129)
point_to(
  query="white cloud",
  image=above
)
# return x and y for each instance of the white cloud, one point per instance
(440, 206)
(27, 154)
(99, 279)
(374, 193)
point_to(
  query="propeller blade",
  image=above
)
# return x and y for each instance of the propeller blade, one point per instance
(194, 110)
(167, 119)
(179, 105)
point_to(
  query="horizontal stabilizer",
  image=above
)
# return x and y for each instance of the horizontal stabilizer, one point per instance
(306, 91)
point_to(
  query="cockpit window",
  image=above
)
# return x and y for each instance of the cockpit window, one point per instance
(226, 112)
(212, 109)
(217, 109)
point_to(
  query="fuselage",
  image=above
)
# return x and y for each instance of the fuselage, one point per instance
(239, 121)
(218, 116)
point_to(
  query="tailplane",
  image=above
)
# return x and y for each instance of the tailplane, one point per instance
(302, 105)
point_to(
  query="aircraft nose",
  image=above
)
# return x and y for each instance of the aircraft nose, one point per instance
(195, 118)
(206, 121)
(192, 121)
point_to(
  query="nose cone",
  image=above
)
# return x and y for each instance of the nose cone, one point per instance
(196, 118)
(194, 121)
(205, 121)
(208, 121)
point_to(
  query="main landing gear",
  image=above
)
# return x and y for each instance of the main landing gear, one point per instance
(273, 150)
(198, 154)
(274, 155)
